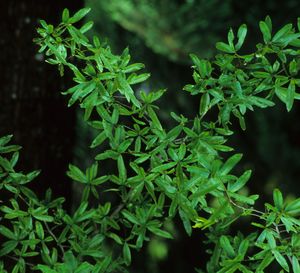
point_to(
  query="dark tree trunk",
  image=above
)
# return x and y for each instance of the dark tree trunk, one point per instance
(31, 107)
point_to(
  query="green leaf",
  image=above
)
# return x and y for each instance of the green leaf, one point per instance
(133, 67)
(163, 167)
(79, 15)
(242, 32)
(5, 139)
(45, 269)
(129, 216)
(266, 31)
(230, 163)
(224, 47)
(260, 102)
(240, 182)
(161, 233)
(82, 92)
(278, 199)
(154, 118)
(99, 139)
(243, 247)
(9, 149)
(7, 233)
(134, 79)
(293, 207)
(76, 174)
(39, 230)
(45, 218)
(293, 69)
(295, 264)
(280, 33)
(281, 260)
(204, 104)
(240, 117)
(122, 168)
(230, 38)
(8, 247)
(127, 91)
(65, 16)
(268, 258)
(186, 222)
(5, 164)
(290, 96)
(86, 27)
(225, 244)
(126, 254)
(271, 239)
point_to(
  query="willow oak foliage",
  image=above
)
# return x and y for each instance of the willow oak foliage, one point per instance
(159, 173)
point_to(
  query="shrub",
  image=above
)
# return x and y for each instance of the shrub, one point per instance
(160, 173)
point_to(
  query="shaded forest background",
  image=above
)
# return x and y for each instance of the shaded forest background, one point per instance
(160, 34)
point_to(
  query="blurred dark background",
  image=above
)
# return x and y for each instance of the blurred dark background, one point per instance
(160, 34)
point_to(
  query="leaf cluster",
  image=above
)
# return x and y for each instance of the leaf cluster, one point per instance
(159, 173)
